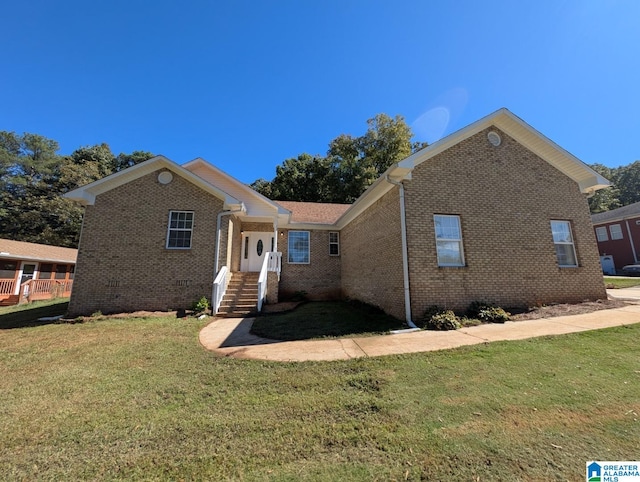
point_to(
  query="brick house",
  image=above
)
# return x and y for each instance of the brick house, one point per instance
(31, 271)
(618, 235)
(495, 212)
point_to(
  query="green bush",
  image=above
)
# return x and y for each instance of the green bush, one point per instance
(487, 313)
(437, 318)
(444, 321)
(201, 305)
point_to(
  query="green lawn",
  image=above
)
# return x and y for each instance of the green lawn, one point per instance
(324, 319)
(140, 399)
(621, 282)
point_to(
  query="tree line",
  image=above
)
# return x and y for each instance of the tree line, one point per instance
(624, 190)
(33, 177)
(352, 164)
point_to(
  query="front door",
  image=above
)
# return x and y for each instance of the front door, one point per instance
(254, 248)
(27, 271)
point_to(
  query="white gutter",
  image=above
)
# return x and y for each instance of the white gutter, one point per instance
(223, 213)
(633, 248)
(405, 254)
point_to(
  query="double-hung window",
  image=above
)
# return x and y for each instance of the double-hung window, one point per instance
(334, 243)
(448, 240)
(616, 231)
(298, 252)
(601, 233)
(563, 242)
(180, 230)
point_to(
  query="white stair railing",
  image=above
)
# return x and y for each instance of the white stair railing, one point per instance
(219, 288)
(272, 262)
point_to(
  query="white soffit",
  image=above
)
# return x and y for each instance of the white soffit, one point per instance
(87, 194)
(257, 205)
(588, 180)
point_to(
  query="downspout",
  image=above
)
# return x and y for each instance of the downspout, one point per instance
(405, 253)
(633, 248)
(219, 220)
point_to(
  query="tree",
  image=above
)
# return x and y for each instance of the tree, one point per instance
(608, 198)
(627, 180)
(351, 165)
(33, 179)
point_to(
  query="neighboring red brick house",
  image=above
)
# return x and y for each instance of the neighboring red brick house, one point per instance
(30, 271)
(618, 235)
(494, 212)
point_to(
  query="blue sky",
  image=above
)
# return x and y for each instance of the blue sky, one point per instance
(248, 84)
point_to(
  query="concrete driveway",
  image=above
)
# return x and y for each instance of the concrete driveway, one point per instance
(232, 337)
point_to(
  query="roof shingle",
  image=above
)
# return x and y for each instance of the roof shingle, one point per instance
(317, 213)
(40, 252)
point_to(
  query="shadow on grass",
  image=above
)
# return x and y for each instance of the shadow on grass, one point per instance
(325, 319)
(24, 316)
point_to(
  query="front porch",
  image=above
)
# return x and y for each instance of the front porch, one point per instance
(33, 290)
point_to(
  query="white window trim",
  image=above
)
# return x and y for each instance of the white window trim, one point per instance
(601, 234)
(289, 245)
(456, 240)
(619, 234)
(572, 243)
(169, 229)
(337, 243)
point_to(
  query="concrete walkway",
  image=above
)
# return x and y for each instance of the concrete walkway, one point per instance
(232, 337)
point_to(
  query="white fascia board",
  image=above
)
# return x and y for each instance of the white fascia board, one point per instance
(202, 163)
(379, 188)
(86, 195)
(588, 180)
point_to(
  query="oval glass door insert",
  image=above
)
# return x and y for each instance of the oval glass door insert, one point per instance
(259, 247)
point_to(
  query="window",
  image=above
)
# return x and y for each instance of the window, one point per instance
(334, 244)
(45, 271)
(563, 241)
(8, 269)
(448, 240)
(298, 247)
(601, 234)
(180, 230)
(616, 231)
(61, 271)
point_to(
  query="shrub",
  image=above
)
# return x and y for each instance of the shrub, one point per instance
(446, 320)
(487, 313)
(437, 318)
(201, 305)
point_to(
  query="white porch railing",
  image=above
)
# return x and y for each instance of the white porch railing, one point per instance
(219, 288)
(272, 262)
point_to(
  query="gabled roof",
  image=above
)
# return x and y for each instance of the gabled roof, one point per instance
(87, 194)
(256, 204)
(314, 213)
(587, 179)
(21, 250)
(625, 212)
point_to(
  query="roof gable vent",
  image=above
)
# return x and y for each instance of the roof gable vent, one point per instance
(494, 138)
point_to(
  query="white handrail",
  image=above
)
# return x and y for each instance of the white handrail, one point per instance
(262, 281)
(219, 288)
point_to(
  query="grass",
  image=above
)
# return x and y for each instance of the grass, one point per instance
(140, 399)
(325, 319)
(611, 282)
